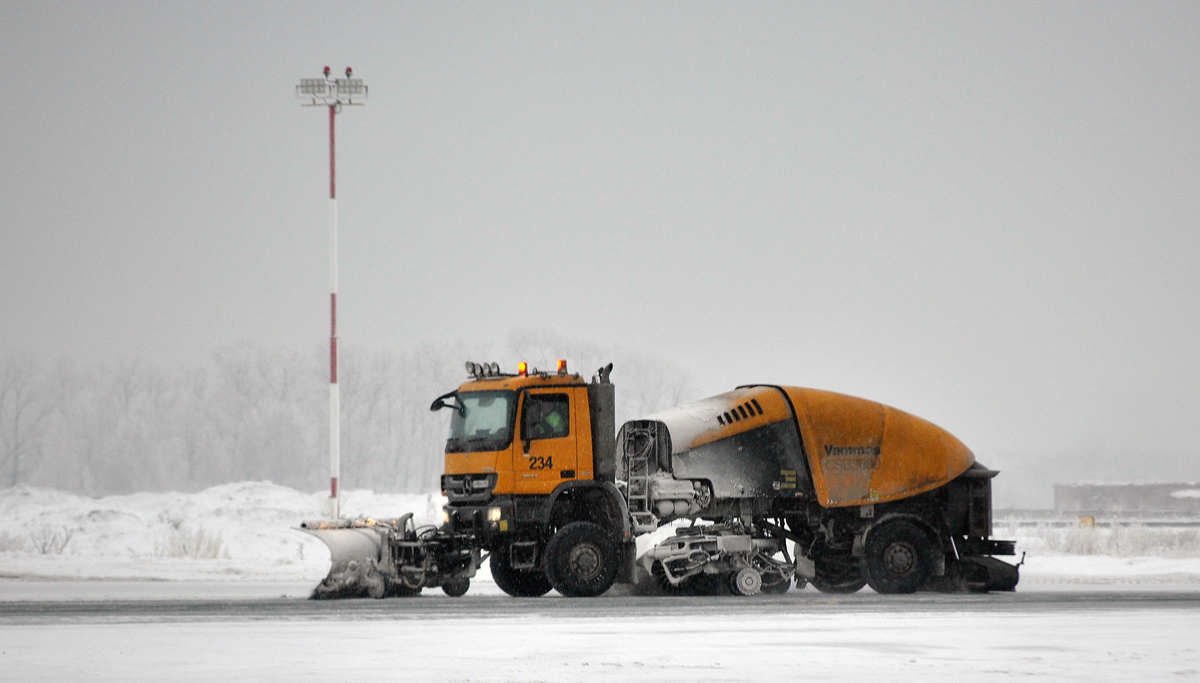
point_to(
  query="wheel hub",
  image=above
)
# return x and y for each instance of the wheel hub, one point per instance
(584, 561)
(899, 559)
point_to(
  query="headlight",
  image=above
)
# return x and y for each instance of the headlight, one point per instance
(445, 516)
(494, 514)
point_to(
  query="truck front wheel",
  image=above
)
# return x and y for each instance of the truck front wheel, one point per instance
(521, 583)
(898, 557)
(581, 560)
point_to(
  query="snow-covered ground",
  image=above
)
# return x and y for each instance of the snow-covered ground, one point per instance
(239, 541)
(1107, 645)
(245, 533)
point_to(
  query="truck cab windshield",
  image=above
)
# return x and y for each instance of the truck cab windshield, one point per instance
(481, 421)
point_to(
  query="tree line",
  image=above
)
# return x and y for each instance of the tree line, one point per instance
(251, 412)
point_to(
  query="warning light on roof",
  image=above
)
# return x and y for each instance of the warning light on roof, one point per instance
(522, 369)
(562, 367)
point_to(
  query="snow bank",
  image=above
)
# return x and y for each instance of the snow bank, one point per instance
(247, 532)
(1120, 555)
(1118, 540)
(230, 532)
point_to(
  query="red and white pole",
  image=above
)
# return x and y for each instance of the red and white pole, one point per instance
(333, 93)
(334, 395)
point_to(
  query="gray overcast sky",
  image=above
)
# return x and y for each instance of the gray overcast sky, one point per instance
(983, 213)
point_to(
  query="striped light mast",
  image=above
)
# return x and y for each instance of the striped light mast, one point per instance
(333, 93)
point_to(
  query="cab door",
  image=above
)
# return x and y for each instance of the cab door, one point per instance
(546, 453)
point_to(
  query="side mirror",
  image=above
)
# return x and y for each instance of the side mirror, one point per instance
(440, 402)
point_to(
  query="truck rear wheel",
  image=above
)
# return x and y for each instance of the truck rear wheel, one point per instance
(898, 557)
(581, 560)
(520, 583)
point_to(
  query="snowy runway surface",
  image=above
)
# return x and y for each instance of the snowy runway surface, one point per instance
(211, 585)
(1080, 636)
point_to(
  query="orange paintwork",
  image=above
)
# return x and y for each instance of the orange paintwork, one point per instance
(859, 451)
(774, 409)
(863, 452)
(515, 471)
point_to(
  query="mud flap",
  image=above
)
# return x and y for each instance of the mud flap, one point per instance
(627, 570)
(979, 574)
(805, 568)
(996, 575)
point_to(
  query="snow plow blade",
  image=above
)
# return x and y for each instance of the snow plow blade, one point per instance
(356, 557)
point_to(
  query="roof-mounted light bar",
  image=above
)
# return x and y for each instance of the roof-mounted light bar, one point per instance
(483, 370)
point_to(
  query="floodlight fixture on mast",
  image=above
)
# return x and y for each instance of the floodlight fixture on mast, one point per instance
(334, 93)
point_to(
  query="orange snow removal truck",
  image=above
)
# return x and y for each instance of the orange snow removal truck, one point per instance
(765, 487)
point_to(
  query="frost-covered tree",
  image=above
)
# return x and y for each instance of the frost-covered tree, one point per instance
(390, 439)
(23, 412)
(252, 412)
(646, 382)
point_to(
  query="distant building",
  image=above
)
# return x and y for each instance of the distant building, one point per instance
(1127, 498)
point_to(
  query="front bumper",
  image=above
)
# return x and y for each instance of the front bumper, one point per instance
(496, 517)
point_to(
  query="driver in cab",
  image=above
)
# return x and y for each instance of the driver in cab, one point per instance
(547, 419)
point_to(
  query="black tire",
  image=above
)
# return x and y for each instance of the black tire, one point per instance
(898, 557)
(456, 588)
(837, 572)
(581, 560)
(520, 583)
